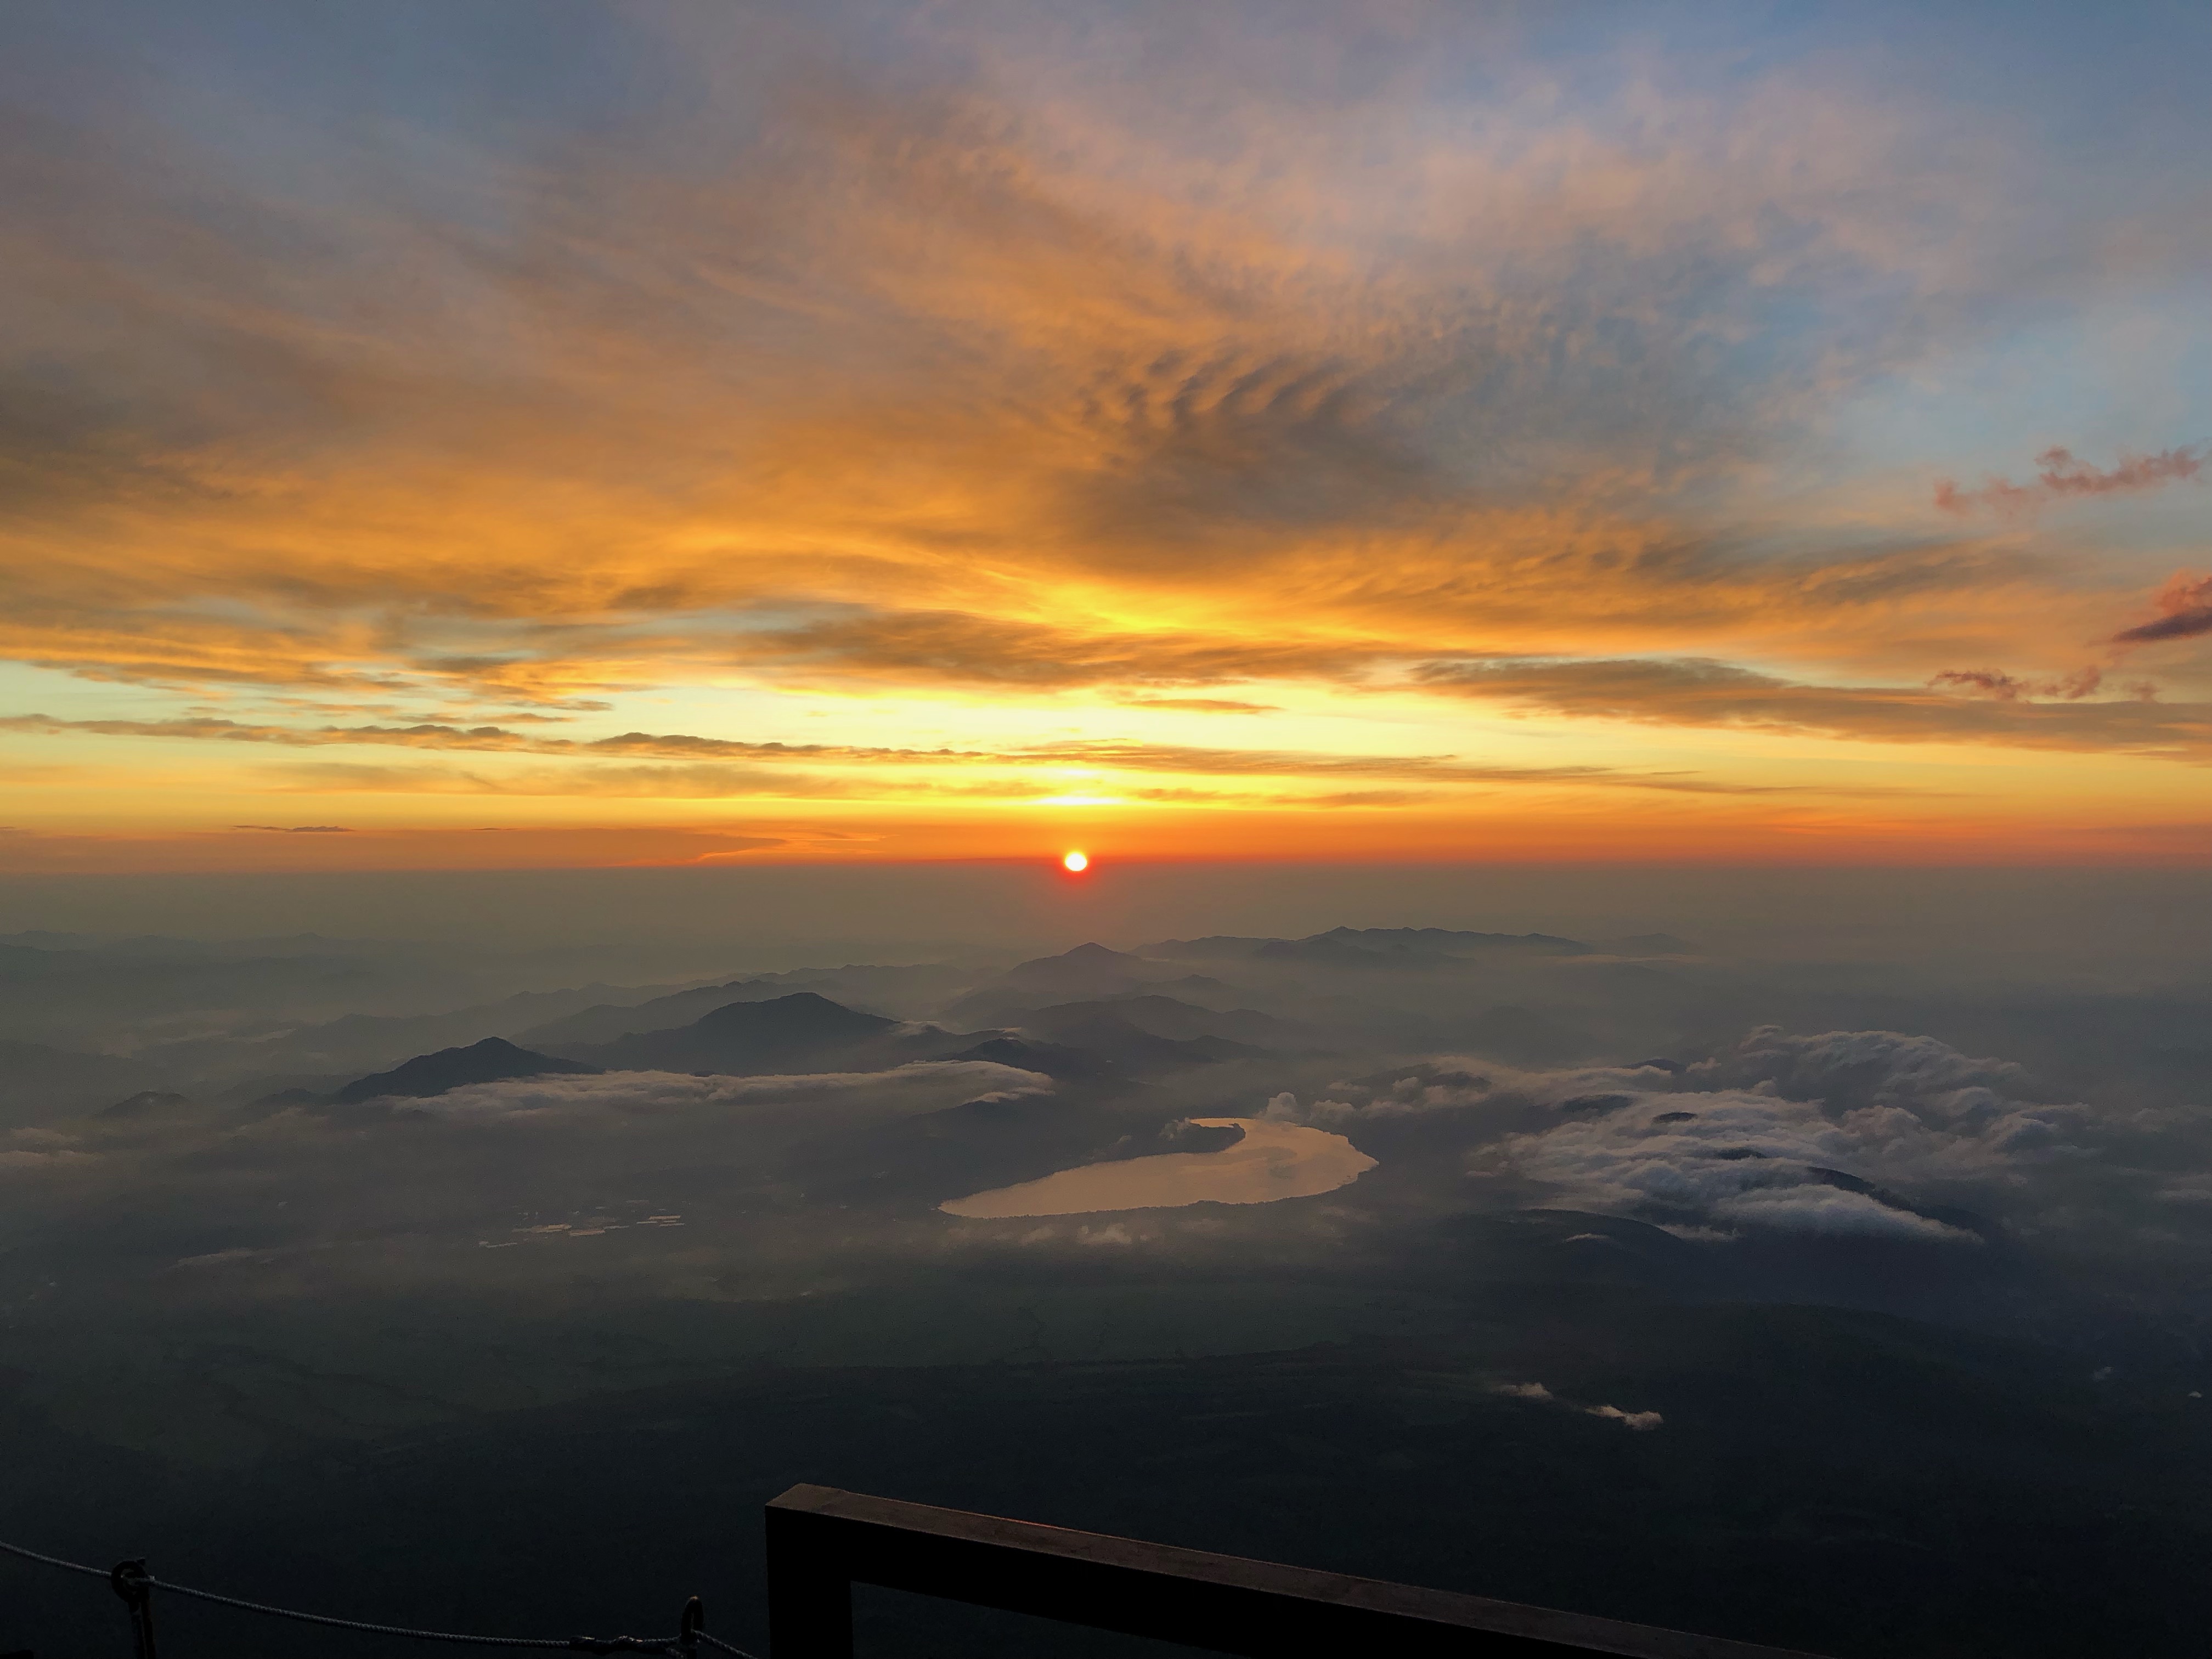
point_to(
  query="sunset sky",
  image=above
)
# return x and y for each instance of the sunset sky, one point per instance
(551, 434)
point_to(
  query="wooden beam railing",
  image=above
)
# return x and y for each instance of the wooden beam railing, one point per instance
(821, 1541)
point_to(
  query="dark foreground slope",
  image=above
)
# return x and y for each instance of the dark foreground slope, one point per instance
(1843, 1482)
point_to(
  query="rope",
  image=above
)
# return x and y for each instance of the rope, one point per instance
(51, 1560)
(582, 1643)
(570, 1645)
(726, 1647)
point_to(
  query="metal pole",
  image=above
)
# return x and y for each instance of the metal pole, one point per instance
(810, 1589)
(135, 1585)
(687, 1631)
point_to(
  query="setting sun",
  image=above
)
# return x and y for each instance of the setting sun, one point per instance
(1076, 863)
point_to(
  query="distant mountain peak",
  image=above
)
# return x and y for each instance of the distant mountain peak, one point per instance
(148, 1102)
(801, 1010)
(803, 1031)
(1089, 969)
(1442, 938)
(495, 1060)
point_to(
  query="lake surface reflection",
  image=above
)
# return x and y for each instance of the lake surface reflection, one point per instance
(1273, 1161)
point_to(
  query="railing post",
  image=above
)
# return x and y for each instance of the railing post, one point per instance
(135, 1585)
(687, 1631)
(809, 1590)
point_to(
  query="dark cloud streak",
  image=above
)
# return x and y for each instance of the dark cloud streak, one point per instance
(2060, 477)
(1105, 754)
(1703, 692)
(2186, 602)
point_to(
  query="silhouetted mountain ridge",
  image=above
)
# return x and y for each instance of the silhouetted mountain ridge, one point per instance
(495, 1060)
(803, 1031)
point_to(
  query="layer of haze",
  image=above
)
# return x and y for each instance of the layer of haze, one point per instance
(2092, 928)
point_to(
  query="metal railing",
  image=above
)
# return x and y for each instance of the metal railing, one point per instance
(821, 1541)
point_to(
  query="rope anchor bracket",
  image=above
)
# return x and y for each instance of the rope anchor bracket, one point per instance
(131, 1581)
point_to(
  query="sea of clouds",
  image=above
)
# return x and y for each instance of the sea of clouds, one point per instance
(1863, 1133)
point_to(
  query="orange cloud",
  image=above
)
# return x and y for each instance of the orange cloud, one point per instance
(997, 399)
(945, 389)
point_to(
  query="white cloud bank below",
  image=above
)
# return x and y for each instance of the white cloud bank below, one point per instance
(1840, 1133)
(923, 1086)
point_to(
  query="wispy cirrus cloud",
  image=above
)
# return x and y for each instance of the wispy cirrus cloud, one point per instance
(821, 770)
(1203, 705)
(428, 734)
